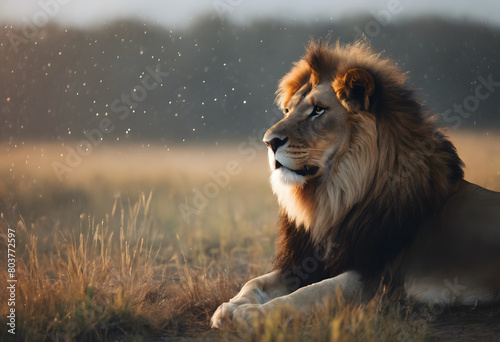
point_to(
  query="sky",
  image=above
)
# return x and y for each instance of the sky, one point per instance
(181, 13)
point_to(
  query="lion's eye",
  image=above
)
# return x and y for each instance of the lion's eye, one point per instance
(317, 110)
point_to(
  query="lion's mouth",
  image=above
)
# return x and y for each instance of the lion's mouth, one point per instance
(303, 171)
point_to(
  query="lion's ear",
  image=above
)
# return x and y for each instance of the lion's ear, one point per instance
(354, 89)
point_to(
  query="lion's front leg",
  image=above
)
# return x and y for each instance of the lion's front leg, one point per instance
(303, 300)
(257, 291)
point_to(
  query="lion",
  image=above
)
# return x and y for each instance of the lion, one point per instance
(370, 192)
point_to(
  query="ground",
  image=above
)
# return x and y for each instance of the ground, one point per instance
(139, 242)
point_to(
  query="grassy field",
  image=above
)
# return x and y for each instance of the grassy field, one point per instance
(144, 242)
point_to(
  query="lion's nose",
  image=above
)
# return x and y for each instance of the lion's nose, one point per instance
(275, 143)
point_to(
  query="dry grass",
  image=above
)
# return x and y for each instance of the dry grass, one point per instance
(101, 257)
(110, 278)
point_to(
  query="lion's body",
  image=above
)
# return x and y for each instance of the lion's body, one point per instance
(459, 246)
(370, 191)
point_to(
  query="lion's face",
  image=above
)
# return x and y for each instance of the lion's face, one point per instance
(303, 143)
(325, 148)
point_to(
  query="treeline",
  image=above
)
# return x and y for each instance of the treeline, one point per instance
(216, 80)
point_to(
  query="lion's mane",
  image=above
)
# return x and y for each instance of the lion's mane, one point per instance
(394, 171)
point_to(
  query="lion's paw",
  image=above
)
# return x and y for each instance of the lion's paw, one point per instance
(223, 315)
(248, 316)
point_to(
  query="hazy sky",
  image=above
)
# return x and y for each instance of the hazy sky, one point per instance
(184, 12)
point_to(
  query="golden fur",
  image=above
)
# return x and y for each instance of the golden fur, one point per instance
(390, 169)
(369, 190)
